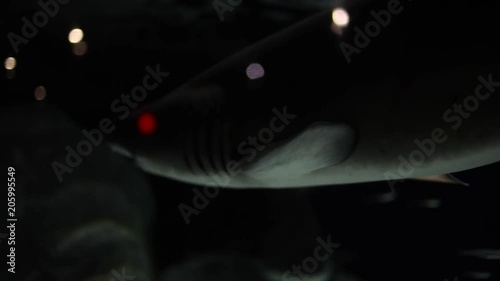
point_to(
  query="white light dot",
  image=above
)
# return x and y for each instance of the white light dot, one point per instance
(10, 63)
(40, 93)
(340, 17)
(75, 35)
(255, 71)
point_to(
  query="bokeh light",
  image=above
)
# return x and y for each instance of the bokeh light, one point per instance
(255, 71)
(40, 93)
(75, 35)
(80, 48)
(340, 17)
(10, 63)
(146, 123)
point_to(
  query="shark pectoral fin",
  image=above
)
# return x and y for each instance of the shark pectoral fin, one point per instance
(319, 146)
(448, 178)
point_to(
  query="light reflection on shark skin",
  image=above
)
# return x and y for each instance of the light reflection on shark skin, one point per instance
(376, 107)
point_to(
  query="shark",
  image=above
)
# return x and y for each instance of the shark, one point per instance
(315, 105)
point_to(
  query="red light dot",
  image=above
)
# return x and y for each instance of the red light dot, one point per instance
(146, 123)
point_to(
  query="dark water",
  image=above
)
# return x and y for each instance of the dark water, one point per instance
(99, 217)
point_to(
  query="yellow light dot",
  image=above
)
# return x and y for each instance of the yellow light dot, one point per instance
(40, 93)
(75, 35)
(340, 17)
(10, 63)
